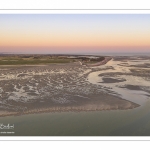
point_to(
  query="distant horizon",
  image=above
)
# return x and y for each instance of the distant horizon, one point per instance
(75, 33)
(102, 53)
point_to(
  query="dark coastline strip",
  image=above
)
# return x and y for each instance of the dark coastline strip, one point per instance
(103, 62)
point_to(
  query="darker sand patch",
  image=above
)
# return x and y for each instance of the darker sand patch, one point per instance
(112, 80)
(132, 87)
(22, 75)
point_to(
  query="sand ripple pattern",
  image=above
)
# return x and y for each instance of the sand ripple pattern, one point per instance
(67, 87)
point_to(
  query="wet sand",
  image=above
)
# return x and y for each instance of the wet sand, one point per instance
(99, 103)
(126, 80)
(112, 80)
(55, 88)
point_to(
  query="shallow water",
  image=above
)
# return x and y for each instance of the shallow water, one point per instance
(136, 96)
(103, 123)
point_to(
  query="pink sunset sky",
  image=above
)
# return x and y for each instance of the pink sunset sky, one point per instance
(74, 33)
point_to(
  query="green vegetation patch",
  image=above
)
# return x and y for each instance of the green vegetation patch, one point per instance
(32, 61)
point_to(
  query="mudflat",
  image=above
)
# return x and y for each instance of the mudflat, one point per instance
(58, 87)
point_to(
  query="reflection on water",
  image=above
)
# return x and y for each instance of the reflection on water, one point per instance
(123, 76)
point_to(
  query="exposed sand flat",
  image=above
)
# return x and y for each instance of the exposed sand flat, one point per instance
(7, 113)
(73, 87)
(108, 103)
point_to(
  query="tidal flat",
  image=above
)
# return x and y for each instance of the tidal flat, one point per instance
(67, 87)
(119, 86)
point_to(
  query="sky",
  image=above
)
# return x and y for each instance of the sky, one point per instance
(74, 33)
